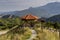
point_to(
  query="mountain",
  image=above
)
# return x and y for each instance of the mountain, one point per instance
(47, 10)
(35, 11)
(52, 8)
(9, 16)
(55, 18)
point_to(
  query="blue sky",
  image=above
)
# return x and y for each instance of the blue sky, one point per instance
(13, 5)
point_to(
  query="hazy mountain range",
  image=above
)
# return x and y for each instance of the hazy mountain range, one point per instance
(55, 18)
(44, 11)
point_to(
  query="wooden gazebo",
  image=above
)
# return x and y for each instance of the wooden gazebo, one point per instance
(29, 17)
(30, 20)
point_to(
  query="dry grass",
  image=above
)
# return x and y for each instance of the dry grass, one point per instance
(17, 36)
(46, 34)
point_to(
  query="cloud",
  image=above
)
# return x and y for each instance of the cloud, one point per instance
(10, 5)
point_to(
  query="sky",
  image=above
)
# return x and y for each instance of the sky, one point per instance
(17, 5)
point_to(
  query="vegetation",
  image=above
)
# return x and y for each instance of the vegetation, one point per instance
(20, 34)
(9, 23)
(23, 29)
(46, 34)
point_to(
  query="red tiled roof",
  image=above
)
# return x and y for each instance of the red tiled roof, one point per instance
(29, 16)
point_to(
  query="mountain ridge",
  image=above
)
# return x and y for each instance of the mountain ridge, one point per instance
(55, 18)
(47, 10)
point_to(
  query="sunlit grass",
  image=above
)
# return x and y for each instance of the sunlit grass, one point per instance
(46, 34)
(17, 36)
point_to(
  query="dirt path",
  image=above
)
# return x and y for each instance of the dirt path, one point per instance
(31, 38)
(33, 35)
(3, 32)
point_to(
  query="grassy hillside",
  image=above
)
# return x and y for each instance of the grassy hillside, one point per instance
(46, 34)
(25, 33)
(20, 34)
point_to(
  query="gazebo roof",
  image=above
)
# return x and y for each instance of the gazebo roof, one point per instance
(29, 16)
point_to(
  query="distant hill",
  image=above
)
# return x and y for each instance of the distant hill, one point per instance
(55, 18)
(47, 10)
(9, 16)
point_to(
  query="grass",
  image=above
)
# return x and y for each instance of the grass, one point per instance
(46, 34)
(17, 36)
(25, 33)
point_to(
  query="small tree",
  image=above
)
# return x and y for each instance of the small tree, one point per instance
(57, 26)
